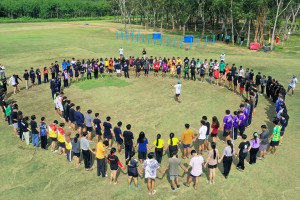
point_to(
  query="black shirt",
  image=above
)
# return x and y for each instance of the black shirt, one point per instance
(14, 117)
(24, 126)
(26, 76)
(244, 147)
(193, 68)
(33, 126)
(71, 114)
(113, 161)
(128, 137)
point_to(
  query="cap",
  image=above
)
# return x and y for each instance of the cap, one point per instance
(255, 134)
(178, 82)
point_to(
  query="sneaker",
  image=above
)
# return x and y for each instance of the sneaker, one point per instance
(173, 189)
(178, 186)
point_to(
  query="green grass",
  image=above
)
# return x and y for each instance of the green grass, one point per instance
(147, 104)
(108, 82)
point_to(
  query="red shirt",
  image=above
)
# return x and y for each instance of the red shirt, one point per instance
(214, 129)
(156, 65)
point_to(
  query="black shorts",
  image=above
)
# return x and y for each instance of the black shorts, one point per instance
(226, 133)
(146, 71)
(202, 75)
(110, 71)
(98, 132)
(109, 137)
(274, 144)
(119, 141)
(222, 72)
(89, 129)
(76, 154)
(213, 135)
(138, 70)
(135, 175)
(212, 166)
(142, 155)
(156, 71)
(177, 95)
(53, 139)
(62, 144)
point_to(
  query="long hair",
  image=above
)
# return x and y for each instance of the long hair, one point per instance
(231, 145)
(141, 137)
(157, 139)
(76, 138)
(171, 138)
(131, 154)
(216, 121)
(213, 146)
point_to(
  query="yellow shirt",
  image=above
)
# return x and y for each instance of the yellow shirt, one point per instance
(106, 63)
(100, 150)
(52, 131)
(174, 140)
(61, 135)
(187, 136)
(68, 145)
(178, 61)
(160, 143)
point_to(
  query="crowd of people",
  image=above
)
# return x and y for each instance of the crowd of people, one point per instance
(111, 139)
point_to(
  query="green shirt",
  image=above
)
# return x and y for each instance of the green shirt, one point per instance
(222, 66)
(186, 68)
(276, 133)
(7, 111)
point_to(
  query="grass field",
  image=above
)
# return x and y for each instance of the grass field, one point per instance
(148, 105)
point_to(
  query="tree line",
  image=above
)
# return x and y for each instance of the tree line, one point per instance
(54, 8)
(263, 18)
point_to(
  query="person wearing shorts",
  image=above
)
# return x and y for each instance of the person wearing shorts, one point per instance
(132, 169)
(227, 125)
(52, 129)
(88, 119)
(178, 68)
(108, 131)
(173, 167)
(264, 138)
(187, 138)
(142, 146)
(118, 136)
(97, 126)
(292, 85)
(201, 137)
(196, 165)
(212, 161)
(275, 136)
(76, 148)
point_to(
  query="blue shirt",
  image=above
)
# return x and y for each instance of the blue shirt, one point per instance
(143, 145)
(64, 65)
(117, 132)
(97, 123)
(79, 118)
(107, 127)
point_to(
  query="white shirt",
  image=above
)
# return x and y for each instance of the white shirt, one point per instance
(12, 81)
(241, 72)
(222, 57)
(178, 88)
(121, 51)
(196, 164)
(294, 81)
(59, 103)
(202, 132)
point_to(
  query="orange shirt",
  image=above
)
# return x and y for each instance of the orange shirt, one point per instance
(187, 136)
(227, 69)
(100, 150)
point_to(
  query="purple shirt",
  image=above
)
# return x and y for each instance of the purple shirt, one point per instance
(245, 111)
(227, 120)
(242, 119)
(235, 122)
(254, 144)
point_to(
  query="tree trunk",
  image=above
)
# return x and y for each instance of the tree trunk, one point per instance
(249, 29)
(232, 33)
(173, 22)
(161, 23)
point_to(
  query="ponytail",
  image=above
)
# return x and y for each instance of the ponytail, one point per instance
(255, 138)
(76, 138)
(171, 138)
(131, 154)
(215, 154)
(213, 146)
(157, 139)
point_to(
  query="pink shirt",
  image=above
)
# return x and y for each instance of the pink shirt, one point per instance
(254, 144)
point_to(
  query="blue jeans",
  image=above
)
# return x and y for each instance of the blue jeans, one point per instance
(35, 140)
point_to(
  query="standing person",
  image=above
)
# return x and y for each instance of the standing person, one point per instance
(39, 76)
(61, 139)
(196, 164)
(150, 166)
(108, 131)
(128, 140)
(79, 119)
(26, 78)
(207, 124)
(43, 133)
(121, 52)
(235, 126)
(97, 127)
(68, 144)
(32, 76)
(292, 85)
(173, 165)
(52, 129)
(172, 144)
(186, 69)
(34, 131)
(228, 152)
(86, 152)
(227, 125)
(159, 148)
(242, 122)
(275, 137)
(193, 72)
(132, 169)
(76, 149)
(283, 123)
(118, 136)
(46, 75)
(201, 137)
(25, 129)
(264, 142)
(88, 123)
(215, 125)
(100, 157)
(255, 143)
(263, 83)
(178, 68)
(125, 69)
(71, 117)
(142, 145)
(114, 164)
(212, 162)
(243, 149)
(177, 91)
(186, 139)
(144, 52)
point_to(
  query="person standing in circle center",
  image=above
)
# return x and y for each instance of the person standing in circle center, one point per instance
(128, 140)
(177, 91)
(159, 148)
